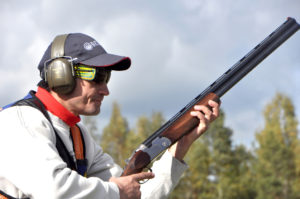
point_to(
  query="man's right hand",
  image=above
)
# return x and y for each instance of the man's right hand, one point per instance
(129, 186)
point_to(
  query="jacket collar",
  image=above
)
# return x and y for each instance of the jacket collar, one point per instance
(56, 108)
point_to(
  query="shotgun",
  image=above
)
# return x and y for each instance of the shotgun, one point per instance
(182, 122)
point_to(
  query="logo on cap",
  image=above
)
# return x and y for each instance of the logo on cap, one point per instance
(90, 45)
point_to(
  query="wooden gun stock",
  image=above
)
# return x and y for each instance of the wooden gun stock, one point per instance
(137, 163)
(186, 122)
(182, 122)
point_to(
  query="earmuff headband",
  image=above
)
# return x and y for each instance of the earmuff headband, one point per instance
(58, 46)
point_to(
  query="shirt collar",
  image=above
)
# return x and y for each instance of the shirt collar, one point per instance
(56, 108)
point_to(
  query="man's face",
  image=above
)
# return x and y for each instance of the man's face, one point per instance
(87, 96)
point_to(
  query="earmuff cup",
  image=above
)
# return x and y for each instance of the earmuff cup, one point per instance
(59, 71)
(60, 76)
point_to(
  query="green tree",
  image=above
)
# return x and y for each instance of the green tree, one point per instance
(296, 185)
(228, 164)
(217, 170)
(195, 182)
(145, 126)
(119, 141)
(276, 168)
(201, 180)
(113, 139)
(243, 183)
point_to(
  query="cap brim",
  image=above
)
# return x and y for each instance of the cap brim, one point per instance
(113, 62)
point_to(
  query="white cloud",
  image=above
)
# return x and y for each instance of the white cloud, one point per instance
(177, 48)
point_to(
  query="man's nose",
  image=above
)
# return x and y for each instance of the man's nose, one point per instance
(104, 89)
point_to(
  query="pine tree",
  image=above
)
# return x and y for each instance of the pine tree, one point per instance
(196, 182)
(243, 185)
(276, 168)
(216, 168)
(222, 159)
(113, 139)
(145, 126)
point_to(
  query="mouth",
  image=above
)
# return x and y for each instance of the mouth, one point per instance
(97, 100)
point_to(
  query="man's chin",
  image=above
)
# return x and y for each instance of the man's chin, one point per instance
(92, 112)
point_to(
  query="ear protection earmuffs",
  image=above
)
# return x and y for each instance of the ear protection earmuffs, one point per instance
(59, 71)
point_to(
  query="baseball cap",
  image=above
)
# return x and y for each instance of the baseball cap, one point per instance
(87, 51)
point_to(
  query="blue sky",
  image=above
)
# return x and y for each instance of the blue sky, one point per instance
(177, 47)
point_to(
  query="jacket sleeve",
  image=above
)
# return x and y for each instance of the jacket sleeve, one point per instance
(33, 165)
(168, 171)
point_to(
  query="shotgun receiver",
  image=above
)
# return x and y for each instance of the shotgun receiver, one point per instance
(182, 122)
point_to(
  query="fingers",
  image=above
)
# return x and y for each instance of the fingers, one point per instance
(206, 114)
(199, 113)
(215, 108)
(209, 113)
(129, 186)
(142, 176)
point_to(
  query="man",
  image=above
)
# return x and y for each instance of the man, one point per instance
(43, 156)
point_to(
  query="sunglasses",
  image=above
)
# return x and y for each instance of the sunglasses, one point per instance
(95, 74)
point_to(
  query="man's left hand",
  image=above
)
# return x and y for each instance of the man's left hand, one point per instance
(205, 115)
